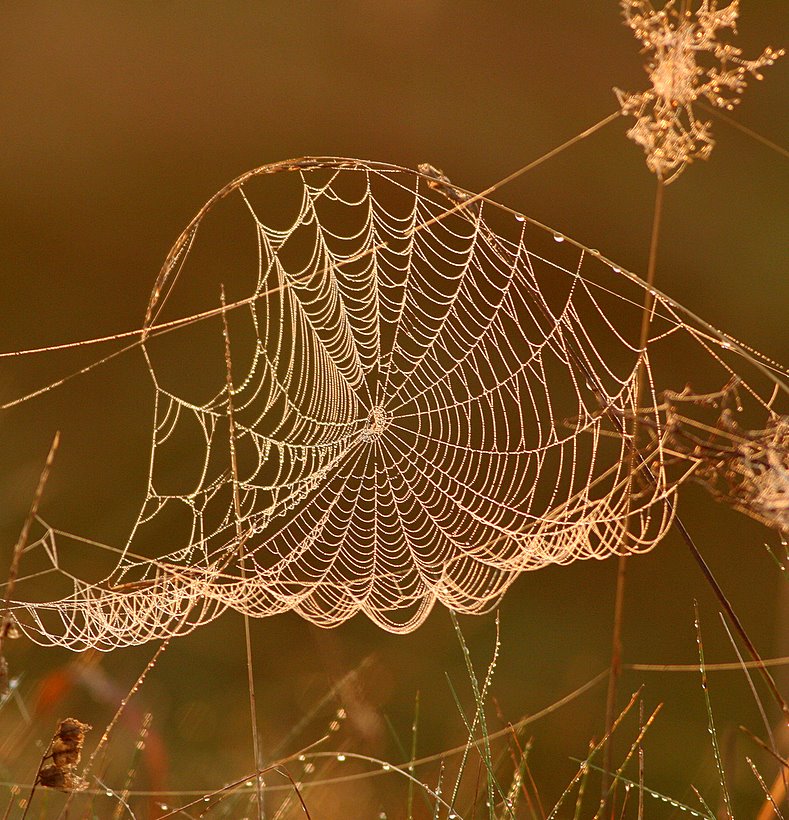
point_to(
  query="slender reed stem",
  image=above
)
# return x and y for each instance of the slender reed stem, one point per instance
(121, 708)
(6, 620)
(414, 730)
(621, 574)
(242, 564)
(13, 573)
(725, 799)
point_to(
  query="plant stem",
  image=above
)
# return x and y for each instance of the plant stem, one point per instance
(621, 574)
(242, 563)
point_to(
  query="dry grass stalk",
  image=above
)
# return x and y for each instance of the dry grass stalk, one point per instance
(687, 62)
(139, 747)
(7, 626)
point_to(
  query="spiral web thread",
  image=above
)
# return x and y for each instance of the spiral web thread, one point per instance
(426, 396)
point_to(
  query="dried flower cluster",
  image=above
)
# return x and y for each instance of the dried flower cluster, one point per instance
(64, 755)
(686, 61)
(745, 469)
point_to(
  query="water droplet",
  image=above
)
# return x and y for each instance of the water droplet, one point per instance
(302, 758)
(594, 251)
(616, 270)
(557, 237)
(340, 758)
(108, 793)
(248, 784)
(386, 767)
(726, 345)
(520, 218)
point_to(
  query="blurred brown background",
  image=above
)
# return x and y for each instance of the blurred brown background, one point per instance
(120, 119)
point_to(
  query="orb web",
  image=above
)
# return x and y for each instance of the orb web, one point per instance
(404, 400)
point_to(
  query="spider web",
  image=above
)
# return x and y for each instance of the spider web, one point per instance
(411, 395)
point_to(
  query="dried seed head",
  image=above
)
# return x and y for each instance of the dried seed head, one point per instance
(55, 777)
(65, 752)
(686, 61)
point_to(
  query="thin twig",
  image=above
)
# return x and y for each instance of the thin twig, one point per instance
(711, 667)
(724, 601)
(35, 784)
(765, 746)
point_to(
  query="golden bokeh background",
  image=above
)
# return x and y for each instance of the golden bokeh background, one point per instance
(120, 119)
